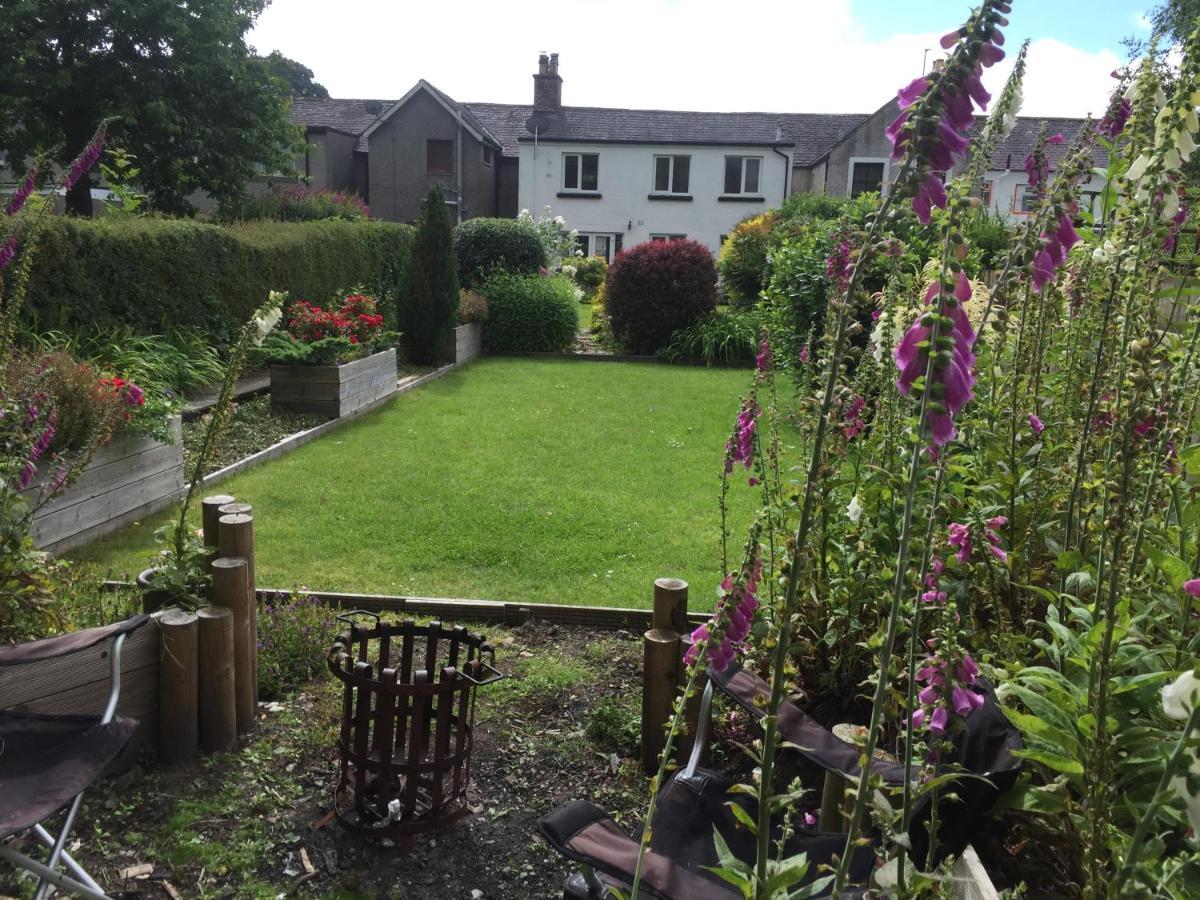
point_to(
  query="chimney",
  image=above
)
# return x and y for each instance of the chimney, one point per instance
(547, 85)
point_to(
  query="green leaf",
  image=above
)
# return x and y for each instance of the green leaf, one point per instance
(1069, 767)
(739, 813)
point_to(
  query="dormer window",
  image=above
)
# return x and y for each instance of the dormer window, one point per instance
(581, 171)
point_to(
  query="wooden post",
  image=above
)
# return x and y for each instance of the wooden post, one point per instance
(229, 590)
(661, 667)
(210, 512)
(218, 697)
(235, 530)
(177, 686)
(670, 604)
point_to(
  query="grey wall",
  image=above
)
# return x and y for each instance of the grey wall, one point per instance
(507, 186)
(868, 140)
(329, 160)
(397, 175)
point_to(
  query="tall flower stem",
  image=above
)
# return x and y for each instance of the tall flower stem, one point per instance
(898, 590)
(783, 645)
(1172, 768)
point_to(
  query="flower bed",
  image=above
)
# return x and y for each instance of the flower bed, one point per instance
(133, 476)
(332, 362)
(334, 391)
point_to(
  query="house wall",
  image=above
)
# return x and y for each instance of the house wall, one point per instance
(397, 172)
(329, 160)
(867, 143)
(625, 181)
(507, 186)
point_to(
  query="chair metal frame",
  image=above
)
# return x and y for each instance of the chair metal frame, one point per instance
(48, 875)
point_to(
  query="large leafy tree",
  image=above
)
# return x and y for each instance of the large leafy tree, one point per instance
(196, 107)
(298, 76)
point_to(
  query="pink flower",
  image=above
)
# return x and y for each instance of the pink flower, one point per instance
(8, 251)
(1192, 586)
(918, 718)
(939, 720)
(1035, 424)
(968, 671)
(965, 701)
(928, 695)
(960, 537)
(763, 360)
(21, 194)
(809, 819)
(740, 446)
(804, 354)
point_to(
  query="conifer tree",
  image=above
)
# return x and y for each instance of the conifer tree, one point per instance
(428, 296)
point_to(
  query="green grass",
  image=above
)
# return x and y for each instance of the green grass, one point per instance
(522, 480)
(585, 316)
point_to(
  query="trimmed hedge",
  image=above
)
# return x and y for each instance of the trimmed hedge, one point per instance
(153, 274)
(529, 314)
(486, 246)
(654, 289)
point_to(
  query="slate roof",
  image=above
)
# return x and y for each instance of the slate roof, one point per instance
(1010, 153)
(468, 115)
(813, 134)
(349, 116)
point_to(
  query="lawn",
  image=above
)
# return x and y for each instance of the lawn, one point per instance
(520, 480)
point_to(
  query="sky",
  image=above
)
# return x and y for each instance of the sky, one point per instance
(715, 55)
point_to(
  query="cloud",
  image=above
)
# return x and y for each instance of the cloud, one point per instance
(651, 54)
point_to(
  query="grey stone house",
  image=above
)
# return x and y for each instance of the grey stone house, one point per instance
(390, 152)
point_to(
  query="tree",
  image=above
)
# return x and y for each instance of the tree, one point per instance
(298, 76)
(196, 108)
(428, 295)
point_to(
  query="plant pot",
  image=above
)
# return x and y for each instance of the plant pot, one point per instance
(152, 599)
(334, 391)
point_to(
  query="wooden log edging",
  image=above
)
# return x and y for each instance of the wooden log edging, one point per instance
(462, 610)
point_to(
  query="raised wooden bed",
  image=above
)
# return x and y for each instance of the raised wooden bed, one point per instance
(334, 391)
(130, 478)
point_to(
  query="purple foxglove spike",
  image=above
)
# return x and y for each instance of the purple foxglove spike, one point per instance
(977, 92)
(928, 695)
(1055, 139)
(989, 55)
(950, 38)
(1067, 233)
(941, 427)
(910, 92)
(8, 251)
(950, 136)
(961, 699)
(17, 200)
(962, 287)
(939, 720)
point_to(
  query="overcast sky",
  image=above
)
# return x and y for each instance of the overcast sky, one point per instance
(764, 55)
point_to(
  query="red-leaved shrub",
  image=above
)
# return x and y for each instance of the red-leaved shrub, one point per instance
(654, 289)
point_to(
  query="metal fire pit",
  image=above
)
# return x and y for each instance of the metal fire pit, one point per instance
(408, 710)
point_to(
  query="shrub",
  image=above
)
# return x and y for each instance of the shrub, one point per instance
(472, 307)
(743, 263)
(429, 294)
(529, 314)
(588, 272)
(484, 246)
(298, 203)
(316, 336)
(88, 408)
(654, 289)
(151, 275)
(295, 632)
(723, 337)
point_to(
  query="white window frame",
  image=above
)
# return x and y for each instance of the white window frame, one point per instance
(1019, 191)
(668, 238)
(579, 188)
(670, 191)
(887, 172)
(757, 192)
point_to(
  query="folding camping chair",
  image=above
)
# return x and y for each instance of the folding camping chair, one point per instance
(47, 761)
(695, 802)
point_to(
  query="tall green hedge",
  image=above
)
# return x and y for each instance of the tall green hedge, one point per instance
(154, 273)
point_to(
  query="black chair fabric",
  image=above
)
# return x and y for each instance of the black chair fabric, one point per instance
(46, 760)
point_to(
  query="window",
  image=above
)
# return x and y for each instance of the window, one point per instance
(866, 177)
(741, 174)
(668, 237)
(582, 242)
(601, 242)
(581, 171)
(487, 155)
(439, 157)
(1024, 199)
(671, 174)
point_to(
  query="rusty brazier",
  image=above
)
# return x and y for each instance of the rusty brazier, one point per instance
(408, 711)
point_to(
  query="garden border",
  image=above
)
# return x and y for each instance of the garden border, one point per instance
(628, 358)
